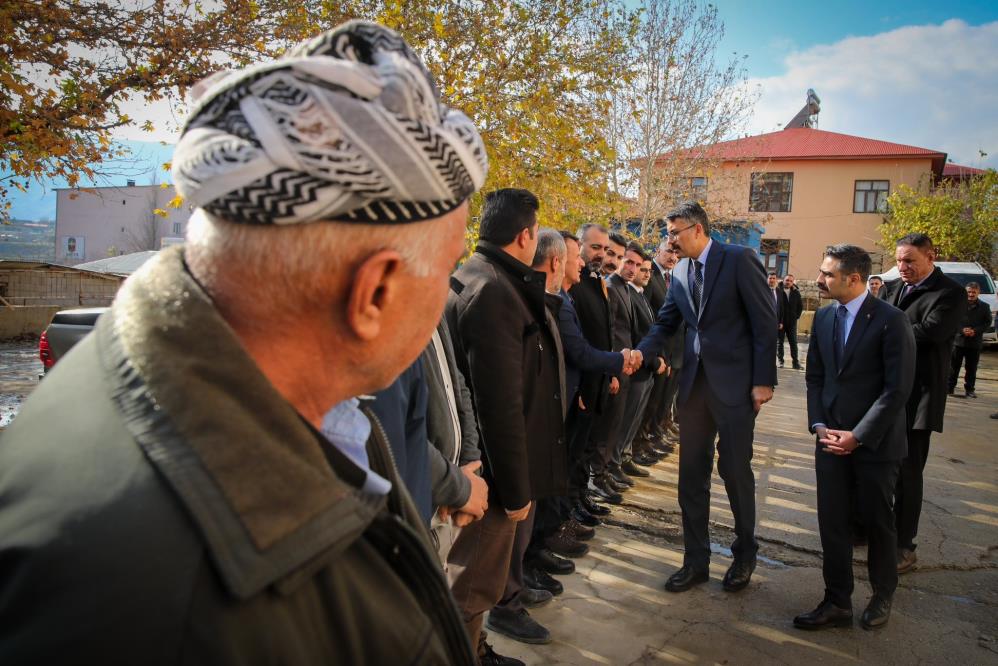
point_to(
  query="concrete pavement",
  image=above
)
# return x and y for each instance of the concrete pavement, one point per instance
(615, 611)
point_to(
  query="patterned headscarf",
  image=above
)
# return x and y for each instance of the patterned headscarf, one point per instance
(347, 126)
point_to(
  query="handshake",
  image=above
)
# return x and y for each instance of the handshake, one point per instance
(632, 361)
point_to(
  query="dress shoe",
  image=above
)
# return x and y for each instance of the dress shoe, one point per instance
(488, 657)
(686, 578)
(580, 531)
(877, 613)
(738, 576)
(532, 597)
(517, 625)
(673, 430)
(993, 416)
(539, 579)
(644, 460)
(631, 469)
(610, 483)
(601, 488)
(662, 450)
(781, 364)
(585, 518)
(547, 561)
(796, 365)
(592, 507)
(906, 560)
(618, 475)
(825, 616)
(563, 543)
(971, 394)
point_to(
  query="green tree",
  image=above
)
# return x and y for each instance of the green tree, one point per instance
(961, 218)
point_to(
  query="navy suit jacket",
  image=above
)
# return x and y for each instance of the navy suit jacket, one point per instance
(580, 356)
(736, 325)
(866, 392)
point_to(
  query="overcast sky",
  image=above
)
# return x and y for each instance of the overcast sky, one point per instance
(918, 73)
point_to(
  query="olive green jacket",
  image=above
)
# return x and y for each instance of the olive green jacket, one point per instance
(161, 503)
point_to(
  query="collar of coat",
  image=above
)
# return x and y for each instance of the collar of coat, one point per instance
(525, 279)
(252, 473)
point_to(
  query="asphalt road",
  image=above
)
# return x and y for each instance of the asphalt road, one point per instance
(615, 611)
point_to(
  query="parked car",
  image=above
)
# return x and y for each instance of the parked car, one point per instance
(964, 272)
(66, 329)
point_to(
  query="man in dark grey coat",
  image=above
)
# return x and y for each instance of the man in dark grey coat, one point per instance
(506, 345)
(935, 305)
(193, 484)
(860, 367)
(970, 341)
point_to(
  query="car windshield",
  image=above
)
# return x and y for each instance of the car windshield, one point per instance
(980, 278)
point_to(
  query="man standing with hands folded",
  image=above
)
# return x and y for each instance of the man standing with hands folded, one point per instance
(719, 294)
(860, 369)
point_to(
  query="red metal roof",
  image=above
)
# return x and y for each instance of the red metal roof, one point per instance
(803, 143)
(958, 170)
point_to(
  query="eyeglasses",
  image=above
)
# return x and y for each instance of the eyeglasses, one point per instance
(675, 234)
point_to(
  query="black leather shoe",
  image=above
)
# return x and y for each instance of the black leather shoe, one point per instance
(618, 476)
(488, 657)
(608, 493)
(585, 518)
(644, 460)
(532, 597)
(825, 616)
(539, 579)
(517, 625)
(796, 365)
(631, 469)
(592, 507)
(877, 613)
(686, 578)
(661, 450)
(547, 561)
(564, 543)
(738, 576)
(580, 531)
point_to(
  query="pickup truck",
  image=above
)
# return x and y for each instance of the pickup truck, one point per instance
(67, 328)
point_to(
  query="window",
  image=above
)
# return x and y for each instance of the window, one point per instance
(685, 189)
(771, 192)
(176, 228)
(870, 196)
(775, 253)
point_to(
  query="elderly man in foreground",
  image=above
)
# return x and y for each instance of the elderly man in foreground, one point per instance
(205, 494)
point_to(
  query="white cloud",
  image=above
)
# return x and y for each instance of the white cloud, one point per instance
(934, 86)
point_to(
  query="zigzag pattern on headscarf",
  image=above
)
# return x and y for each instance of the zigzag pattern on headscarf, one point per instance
(347, 126)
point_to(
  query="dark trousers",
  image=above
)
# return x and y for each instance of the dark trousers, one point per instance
(478, 565)
(548, 518)
(637, 400)
(788, 333)
(969, 355)
(671, 391)
(607, 430)
(845, 484)
(656, 405)
(578, 427)
(514, 579)
(908, 494)
(706, 419)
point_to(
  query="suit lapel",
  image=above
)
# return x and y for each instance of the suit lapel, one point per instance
(827, 332)
(681, 275)
(859, 327)
(714, 259)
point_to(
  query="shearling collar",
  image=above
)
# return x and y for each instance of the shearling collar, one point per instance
(251, 471)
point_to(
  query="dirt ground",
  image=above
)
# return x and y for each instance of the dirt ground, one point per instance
(614, 609)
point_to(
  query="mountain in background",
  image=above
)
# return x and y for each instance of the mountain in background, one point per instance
(28, 240)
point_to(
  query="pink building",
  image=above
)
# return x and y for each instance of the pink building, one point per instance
(100, 222)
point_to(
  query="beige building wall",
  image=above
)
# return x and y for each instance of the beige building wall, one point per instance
(821, 210)
(111, 221)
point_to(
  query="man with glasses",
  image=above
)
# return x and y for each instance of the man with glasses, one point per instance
(719, 295)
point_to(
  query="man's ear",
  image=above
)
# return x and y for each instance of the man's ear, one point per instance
(523, 238)
(376, 283)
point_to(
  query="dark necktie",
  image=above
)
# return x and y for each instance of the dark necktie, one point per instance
(841, 314)
(905, 291)
(697, 284)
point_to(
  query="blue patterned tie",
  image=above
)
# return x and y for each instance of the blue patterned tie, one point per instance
(841, 314)
(697, 284)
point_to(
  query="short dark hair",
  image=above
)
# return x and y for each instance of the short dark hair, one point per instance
(974, 285)
(637, 249)
(875, 277)
(692, 211)
(916, 239)
(852, 259)
(773, 274)
(568, 235)
(618, 239)
(506, 213)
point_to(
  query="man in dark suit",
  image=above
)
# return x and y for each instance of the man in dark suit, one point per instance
(793, 308)
(505, 343)
(860, 367)
(970, 341)
(935, 305)
(779, 302)
(660, 421)
(719, 294)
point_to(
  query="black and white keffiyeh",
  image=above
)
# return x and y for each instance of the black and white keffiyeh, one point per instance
(347, 126)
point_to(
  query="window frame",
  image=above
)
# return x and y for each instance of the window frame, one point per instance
(876, 209)
(755, 176)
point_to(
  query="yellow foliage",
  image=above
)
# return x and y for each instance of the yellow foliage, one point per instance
(160, 212)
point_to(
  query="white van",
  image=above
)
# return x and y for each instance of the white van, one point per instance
(964, 272)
